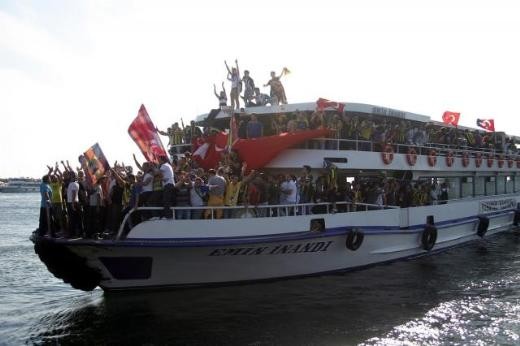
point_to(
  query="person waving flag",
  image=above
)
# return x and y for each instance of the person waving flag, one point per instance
(486, 124)
(451, 118)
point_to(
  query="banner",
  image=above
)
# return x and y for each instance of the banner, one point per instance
(451, 118)
(94, 164)
(486, 124)
(143, 132)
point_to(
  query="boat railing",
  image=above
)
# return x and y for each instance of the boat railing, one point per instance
(367, 145)
(248, 211)
(425, 149)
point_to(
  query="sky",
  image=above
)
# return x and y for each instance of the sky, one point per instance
(74, 73)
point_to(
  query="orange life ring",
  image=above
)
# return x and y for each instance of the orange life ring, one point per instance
(510, 162)
(500, 161)
(432, 157)
(478, 159)
(387, 154)
(490, 159)
(411, 156)
(465, 159)
(449, 158)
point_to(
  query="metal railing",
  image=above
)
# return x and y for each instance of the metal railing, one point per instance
(402, 148)
(264, 210)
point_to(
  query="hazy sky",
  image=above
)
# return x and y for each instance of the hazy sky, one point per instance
(75, 72)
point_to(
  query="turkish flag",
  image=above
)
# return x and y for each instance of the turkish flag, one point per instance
(322, 104)
(143, 132)
(486, 124)
(451, 118)
(256, 152)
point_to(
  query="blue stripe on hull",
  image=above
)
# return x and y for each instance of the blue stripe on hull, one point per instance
(271, 238)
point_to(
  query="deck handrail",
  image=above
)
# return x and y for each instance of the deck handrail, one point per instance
(291, 209)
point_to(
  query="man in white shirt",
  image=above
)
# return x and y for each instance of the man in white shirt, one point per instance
(73, 207)
(289, 192)
(168, 180)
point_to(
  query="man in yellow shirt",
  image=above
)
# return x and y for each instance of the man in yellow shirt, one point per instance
(231, 195)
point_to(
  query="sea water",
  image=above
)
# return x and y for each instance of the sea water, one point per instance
(468, 295)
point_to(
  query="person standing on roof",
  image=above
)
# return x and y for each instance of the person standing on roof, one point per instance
(236, 84)
(277, 89)
(249, 89)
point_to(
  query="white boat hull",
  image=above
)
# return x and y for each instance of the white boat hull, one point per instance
(137, 263)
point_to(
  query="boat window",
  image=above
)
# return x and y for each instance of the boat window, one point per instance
(480, 186)
(467, 187)
(454, 185)
(317, 225)
(510, 184)
(501, 185)
(490, 186)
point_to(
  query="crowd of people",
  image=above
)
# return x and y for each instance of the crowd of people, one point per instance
(364, 129)
(73, 207)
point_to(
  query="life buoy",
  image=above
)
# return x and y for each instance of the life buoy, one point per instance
(429, 237)
(500, 161)
(510, 162)
(478, 160)
(483, 225)
(387, 154)
(490, 159)
(432, 157)
(449, 158)
(354, 239)
(465, 159)
(411, 156)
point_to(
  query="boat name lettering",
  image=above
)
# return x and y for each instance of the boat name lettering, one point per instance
(319, 246)
(388, 111)
(499, 204)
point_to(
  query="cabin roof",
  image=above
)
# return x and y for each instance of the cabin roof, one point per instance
(311, 106)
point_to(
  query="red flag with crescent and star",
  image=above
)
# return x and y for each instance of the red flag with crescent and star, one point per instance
(486, 124)
(451, 118)
(256, 152)
(323, 104)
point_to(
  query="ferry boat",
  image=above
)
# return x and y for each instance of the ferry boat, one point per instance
(482, 192)
(21, 185)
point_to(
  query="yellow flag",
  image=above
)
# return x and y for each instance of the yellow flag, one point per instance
(286, 71)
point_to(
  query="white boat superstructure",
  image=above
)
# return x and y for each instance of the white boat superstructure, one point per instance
(273, 241)
(21, 185)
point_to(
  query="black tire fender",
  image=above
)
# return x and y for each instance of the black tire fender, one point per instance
(429, 237)
(483, 225)
(354, 239)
